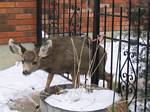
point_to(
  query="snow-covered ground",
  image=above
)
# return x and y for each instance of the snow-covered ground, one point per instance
(14, 85)
(81, 100)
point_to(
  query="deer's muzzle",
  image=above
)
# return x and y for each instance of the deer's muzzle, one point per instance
(26, 73)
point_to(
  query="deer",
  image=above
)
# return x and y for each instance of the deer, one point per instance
(57, 56)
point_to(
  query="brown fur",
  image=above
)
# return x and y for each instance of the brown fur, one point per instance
(60, 59)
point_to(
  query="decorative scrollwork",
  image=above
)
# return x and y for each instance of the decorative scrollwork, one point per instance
(131, 54)
(75, 21)
(131, 78)
(125, 53)
(124, 75)
(128, 76)
(128, 89)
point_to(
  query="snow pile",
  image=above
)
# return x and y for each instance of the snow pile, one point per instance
(5, 108)
(14, 85)
(81, 100)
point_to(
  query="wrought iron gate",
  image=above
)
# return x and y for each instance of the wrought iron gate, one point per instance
(126, 33)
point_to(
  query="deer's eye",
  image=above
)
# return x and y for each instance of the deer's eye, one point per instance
(34, 63)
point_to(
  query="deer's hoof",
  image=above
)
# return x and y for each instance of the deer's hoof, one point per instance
(44, 94)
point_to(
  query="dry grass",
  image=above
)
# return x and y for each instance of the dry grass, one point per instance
(120, 106)
(78, 57)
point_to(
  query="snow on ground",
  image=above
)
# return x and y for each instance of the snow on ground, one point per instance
(81, 100)
(14, 85)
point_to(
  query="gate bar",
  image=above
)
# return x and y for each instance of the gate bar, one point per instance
(96, 22)
(147, 61)
(39, 22)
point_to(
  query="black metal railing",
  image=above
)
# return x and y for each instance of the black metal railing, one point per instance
(123, 32)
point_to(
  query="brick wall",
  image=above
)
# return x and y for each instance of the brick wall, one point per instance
(117, 7)
(17, 20)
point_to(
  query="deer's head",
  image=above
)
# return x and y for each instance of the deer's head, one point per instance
(30, 58)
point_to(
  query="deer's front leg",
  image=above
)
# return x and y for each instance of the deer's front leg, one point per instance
(48, 82)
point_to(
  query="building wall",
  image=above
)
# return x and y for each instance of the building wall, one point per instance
(17, 20)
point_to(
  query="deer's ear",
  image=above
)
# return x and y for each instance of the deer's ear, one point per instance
(43, 52)
(16, 48)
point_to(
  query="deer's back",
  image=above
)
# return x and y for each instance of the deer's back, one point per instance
(63, 57)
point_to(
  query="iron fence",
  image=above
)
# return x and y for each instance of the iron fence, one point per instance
(129, 50)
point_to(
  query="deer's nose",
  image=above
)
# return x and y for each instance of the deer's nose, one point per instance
(25, 72)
